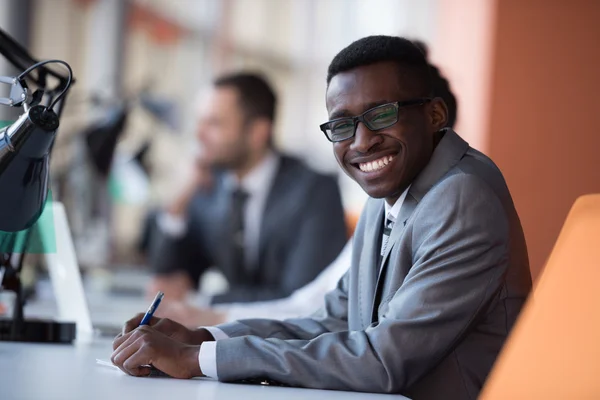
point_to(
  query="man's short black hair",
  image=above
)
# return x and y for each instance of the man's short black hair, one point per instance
(441, 86)
(257, 98)
(375, 49)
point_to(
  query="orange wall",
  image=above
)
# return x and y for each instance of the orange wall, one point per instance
(544, 111)
(463, 49)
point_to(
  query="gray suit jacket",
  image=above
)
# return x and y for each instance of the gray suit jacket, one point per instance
(431, 322)
(302, 231)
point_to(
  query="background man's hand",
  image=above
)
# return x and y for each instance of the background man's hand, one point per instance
(175, 286)
(145, 347)
(201, 178)
(190, 316)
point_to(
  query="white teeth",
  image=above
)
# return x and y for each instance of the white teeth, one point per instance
(375, 164)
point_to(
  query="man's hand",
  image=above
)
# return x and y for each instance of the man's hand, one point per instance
(189, 315)
(168, 328)
(145, 347)
(201, 178)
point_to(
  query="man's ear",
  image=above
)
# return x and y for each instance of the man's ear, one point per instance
(438, 114)
(260, 132)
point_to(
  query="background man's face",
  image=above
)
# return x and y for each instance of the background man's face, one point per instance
(404, 148)
(221, 130)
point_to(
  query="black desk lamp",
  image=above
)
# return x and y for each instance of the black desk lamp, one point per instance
(24, 162)
(25, 148)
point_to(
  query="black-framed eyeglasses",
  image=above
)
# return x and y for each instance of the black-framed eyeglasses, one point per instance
(375, 119)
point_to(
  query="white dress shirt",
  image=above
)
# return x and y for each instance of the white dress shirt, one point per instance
(257, 184)
(302, 302)
(391, 212)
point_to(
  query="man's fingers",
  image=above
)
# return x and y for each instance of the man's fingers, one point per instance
(138, 363)
(130, 337)
(140, 371)
(117, 341)
(124, 352)
(120, 339)
(164, 326)
(132, 323)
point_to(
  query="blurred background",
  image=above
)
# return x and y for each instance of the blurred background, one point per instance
(525, 73)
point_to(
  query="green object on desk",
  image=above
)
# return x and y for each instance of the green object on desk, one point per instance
(39, 239)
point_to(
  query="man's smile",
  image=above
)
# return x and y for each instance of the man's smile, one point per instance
(375, 165)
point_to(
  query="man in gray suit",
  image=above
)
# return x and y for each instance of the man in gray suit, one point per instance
(267, 221)
(439, 268)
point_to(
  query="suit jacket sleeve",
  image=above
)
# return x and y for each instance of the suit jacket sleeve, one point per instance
(460, 254)
(318, 238)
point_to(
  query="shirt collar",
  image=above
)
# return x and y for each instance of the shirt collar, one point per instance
(259, 178)
(392, 212)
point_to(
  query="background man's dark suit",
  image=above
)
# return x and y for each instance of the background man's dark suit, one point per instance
(302, 231)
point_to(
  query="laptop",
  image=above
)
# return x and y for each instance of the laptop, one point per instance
(67, 285)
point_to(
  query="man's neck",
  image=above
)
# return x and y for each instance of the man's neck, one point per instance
(393, 199)
(253, 162)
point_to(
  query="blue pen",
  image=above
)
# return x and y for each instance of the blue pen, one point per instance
(152, 308)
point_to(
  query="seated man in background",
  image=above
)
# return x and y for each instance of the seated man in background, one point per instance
(311, 296)
(302, 302)
(268, 222)
(439, 268)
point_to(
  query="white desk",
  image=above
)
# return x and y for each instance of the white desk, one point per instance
(31, 371)
(65, 372)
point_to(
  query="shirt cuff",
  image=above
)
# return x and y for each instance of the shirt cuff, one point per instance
(207, 359)
(173, 226)
(217, 333)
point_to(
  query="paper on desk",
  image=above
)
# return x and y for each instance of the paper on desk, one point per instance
(105, 363)
(153, 372)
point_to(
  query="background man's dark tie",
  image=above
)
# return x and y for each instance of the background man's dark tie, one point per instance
(235, 233)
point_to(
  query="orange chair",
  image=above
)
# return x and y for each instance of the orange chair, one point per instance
(351, 222)
(554, 349)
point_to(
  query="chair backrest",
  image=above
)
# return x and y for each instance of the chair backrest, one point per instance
(351, 222)
(553, 351)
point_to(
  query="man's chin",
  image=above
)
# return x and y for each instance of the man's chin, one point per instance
(376, 192)
(382, 191)
(225, 165)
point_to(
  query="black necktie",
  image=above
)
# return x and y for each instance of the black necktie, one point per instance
(385, 238)
(387, 231)
(235, 232)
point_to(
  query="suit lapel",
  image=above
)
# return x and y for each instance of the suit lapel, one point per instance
(409, 205)
(271, 217)
(406, 211)
(445, 156)
(369, 256)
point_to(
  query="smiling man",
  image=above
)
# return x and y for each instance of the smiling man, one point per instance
(439, 267)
